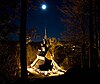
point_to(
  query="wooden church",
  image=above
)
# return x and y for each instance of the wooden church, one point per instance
(44, 62)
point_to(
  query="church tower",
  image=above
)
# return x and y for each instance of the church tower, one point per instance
(43, 45)
(45, 37)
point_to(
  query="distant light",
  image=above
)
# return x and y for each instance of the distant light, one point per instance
(44, 6)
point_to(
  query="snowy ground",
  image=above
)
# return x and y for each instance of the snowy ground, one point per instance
(45, 73)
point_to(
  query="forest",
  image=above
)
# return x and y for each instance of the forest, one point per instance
(77, 50)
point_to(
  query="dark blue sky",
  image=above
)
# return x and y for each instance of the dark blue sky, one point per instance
(49, 18)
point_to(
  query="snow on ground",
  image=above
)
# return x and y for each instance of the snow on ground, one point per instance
(45, 73)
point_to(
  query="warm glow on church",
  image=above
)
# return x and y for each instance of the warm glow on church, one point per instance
(44, 63)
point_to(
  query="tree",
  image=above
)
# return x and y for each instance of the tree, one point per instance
(94, 33)
(31, 34)
(74, 14)
(8, 13)
(22, 39)
(52, 43)
(83, 16)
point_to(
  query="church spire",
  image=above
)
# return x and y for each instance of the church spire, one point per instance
(45, 36)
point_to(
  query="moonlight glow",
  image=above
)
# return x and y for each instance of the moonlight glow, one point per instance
(43, 6)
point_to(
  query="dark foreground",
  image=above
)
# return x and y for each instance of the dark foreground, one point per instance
(75, 75)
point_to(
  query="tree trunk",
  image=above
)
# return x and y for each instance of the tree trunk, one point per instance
(97, 23)
(22, 39)
(91, 28)
(83, 58)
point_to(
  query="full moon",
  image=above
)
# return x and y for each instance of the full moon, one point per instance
(43, 6)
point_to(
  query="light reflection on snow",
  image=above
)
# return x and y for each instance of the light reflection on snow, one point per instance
(46, 73)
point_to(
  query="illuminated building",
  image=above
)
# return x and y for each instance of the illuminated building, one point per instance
(44, 65)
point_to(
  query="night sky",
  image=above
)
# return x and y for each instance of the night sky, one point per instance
(49, 19)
